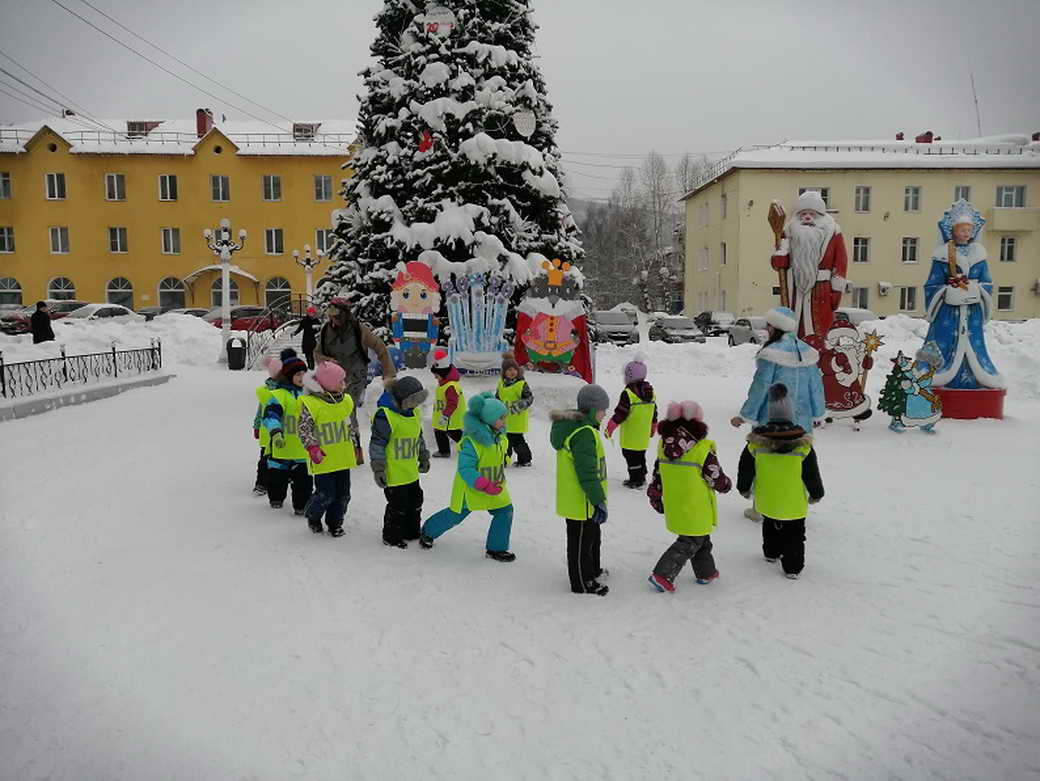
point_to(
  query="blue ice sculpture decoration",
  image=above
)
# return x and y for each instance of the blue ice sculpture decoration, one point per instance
(477, 306)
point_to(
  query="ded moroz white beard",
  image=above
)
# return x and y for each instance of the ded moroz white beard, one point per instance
(808, 243)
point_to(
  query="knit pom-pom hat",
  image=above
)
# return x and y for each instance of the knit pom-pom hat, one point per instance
(686, 410)
(329, 375)
(292, 364)
(635, 370)
(592, 398)
(486, 408)
(779, 406)
(509, 362)
(273, 365)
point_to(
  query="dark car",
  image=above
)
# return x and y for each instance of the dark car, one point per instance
(151, 312)
(246, 318)
(19, 323)
(615, 327)
(715, 323)
(674, 330)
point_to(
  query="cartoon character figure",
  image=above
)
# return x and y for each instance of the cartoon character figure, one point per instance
(415, 298)
(908, 396)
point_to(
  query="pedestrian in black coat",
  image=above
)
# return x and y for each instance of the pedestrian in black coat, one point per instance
(309, 324)
(40, 322)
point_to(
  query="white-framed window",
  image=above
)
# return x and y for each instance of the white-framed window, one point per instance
(171, 241)
(907, 299)
(216, 292)
(723, 207)
(910, 244)
(323, 238)
(115, 187)
(962, 191)
(722, 256)
(5, 185)
(221, 187)
(861, 297)
(1006, 298)
(7, 239)
(273, 244)
(10, 291)
(322, 187)
(117, 240)
(860, 249)
(55, 187)
(862, 198)
(911, 198)
(61, 289)
(825, 193)
(120, 291)
(59, 240)
(171, 293)
(1007, 249)
(272, 184)
(277, 292)
(167, 187)
(1011, 196)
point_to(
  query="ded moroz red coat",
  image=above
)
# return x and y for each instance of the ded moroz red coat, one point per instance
(814, 319)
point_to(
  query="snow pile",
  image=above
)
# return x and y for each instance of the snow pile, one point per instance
(186, 340)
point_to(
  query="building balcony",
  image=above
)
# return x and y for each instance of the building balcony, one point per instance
(1012, 220)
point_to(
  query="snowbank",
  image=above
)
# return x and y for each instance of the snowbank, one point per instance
(186, 340)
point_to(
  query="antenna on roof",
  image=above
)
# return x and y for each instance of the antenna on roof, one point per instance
(975, 95)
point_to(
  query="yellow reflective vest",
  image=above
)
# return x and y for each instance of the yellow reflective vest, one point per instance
(689, 503)
(440, 402)
(571, 501)
(635, 431)
(402, 449)
(293, 449)
(516, 422)
(332, 425)
(491, 463)
(263, 395)
(779, 490)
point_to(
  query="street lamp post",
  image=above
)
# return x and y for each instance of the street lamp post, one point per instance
(221, 244)
(308, 262)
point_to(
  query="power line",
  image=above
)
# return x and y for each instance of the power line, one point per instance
(8, 73)
(591, 176)
(182, 62)
(597, 165)
(623, 155)
(36, 106)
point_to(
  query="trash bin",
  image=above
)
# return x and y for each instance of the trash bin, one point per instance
(236, 353)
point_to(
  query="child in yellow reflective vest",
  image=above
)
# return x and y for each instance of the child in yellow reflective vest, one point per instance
(398, 455)
(515, 392)
(480, 478)
(779, 466)
(449, 405)
(687, 475)
(326, 413)
(263, 393)
(581, 485)
(286, 457)
(636, 416)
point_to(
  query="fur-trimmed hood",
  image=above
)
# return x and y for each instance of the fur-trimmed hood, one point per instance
(781, 440)
(566, 421)
(789, 351)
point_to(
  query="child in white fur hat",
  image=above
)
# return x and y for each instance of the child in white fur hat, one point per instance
(687, 475)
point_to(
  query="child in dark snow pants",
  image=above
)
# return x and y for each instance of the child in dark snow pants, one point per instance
(779, 466)
(287, 458)
(449, 404)
(515, 392)
(260, 432)
(636, 415)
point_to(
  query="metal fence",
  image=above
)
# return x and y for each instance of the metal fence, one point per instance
(27, 378)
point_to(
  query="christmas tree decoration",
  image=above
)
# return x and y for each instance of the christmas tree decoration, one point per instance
(958, 296)
(458, 169)
(416, 300)
(908, 395)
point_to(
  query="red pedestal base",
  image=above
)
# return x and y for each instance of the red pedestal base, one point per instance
(960, 404)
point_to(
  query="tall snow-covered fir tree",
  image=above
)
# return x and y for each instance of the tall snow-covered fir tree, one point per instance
(458, 162)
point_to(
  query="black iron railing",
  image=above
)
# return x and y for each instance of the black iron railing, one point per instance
(27, 378)
(286, 312)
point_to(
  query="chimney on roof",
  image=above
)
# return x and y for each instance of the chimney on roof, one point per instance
(925, 138)
(203, 121)
(899, 136)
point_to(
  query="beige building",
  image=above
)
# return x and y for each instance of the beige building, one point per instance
(887, 197)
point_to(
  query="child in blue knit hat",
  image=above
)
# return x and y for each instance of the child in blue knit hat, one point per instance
(480, 478)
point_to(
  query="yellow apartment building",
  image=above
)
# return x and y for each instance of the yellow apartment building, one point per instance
(887, 196)
(118, 215)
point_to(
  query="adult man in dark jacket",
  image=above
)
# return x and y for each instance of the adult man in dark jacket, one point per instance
(40, 322)
(346, 341)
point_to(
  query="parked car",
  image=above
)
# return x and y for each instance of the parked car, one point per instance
(674, 330)
(246, 318)
(715, 323)
(629, 310)
(112, 312)
(151, 312)
(18, 322)
(748, 329)
(193, 311)
(615, 327)
(6, 309)
(855, 316)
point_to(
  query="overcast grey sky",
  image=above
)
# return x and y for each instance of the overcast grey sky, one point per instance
(674, 75)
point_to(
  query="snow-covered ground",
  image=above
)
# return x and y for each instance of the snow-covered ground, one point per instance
(161, 622)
